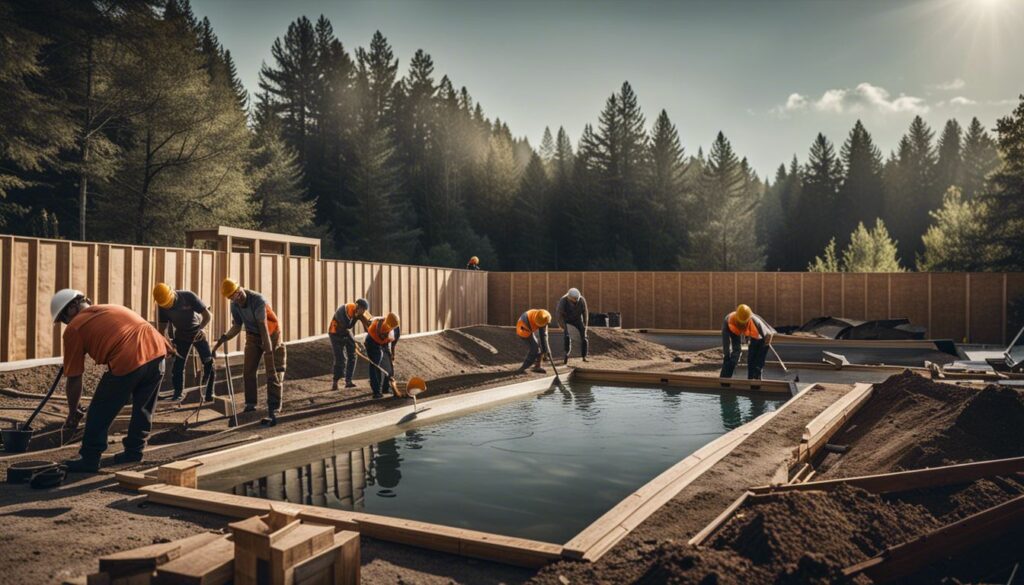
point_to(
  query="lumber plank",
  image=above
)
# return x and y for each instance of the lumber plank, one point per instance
(298, 545)
(134, 480)
(179, 473)
(147, 558)
(909, 480)
(682, 380)
(909, 557)
(337, 565)
(817, 432)
(212, 564)
(699, 538)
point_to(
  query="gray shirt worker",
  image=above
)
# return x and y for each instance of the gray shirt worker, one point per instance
(253, 313)
(185, 315)
(570, 312)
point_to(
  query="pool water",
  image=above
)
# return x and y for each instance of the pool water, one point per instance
(543, 467)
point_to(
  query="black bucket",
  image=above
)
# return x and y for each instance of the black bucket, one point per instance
(22, 471)
(16, 441)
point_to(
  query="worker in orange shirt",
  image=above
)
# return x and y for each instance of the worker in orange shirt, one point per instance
(473, 264)
(262, 340)
(134, 353)
(341, 332)
(532, 328)
(744, 323)
(381, 340)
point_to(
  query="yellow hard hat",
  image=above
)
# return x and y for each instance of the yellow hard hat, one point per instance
(163, 295)
(474, 260)
(743, 313)
(543, 318)
(391, 321)
(228, 288)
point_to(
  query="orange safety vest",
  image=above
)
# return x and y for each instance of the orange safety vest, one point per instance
(378, 331)
(527, 323)
(272, 326)
(350, 311)
(750, 329)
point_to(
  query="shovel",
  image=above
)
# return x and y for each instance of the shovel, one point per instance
(16, 440)
(558, 379)
(391, 378)
(231, 389)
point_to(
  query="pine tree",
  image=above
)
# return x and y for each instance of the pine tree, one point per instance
(547, 150)
(948, 168)
(416, 112)
(725, 238)
(950, 242)
(241, 94)
(860, 197)
(276, 177)
(785, 251)
(666, 230)
(980, 158)
(910, 189)
(770, 218)
(1003, 199)
(562, 195)
(871, 250)
(827, 262)
(816, 209)
(531, 247)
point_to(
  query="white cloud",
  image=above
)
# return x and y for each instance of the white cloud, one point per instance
(962, 101)
(864, 97)
(951, 85)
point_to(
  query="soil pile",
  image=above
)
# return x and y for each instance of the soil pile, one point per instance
(911, 422)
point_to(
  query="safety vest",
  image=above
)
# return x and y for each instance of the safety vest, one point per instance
(350, 312)
(527, 323)
(749, 329)
(378, 331)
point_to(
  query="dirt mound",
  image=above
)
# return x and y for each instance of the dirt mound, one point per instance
(995, 419)
(684, 565)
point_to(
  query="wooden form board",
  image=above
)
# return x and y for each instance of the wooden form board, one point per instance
(817, 432)
(909, 480)
(968, 307)
(303, 291)
(211, 564)
(683, 380)
(471, 543)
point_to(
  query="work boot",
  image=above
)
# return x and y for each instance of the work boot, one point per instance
(271, 419)
(539, 370)
(128, 457)
(565, 362)
(377, 395)
(249, 407)
(209, 396)
(83, 465)
(586, 359)
(350, 384)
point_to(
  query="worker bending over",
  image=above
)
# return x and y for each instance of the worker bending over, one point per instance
(572, 310)
(188, 315)
(343, 341)
(381, 339)
(473, 264)
(532, 328)
(744, 323)
(262, 339)
(134, 354)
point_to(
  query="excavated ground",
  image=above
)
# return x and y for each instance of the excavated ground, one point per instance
(97, 518)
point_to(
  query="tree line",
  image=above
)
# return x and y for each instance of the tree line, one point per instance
(127, 122)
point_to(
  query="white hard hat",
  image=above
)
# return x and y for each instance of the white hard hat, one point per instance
(574, 294)
(62, 299)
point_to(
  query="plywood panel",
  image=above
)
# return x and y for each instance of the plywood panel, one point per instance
(949, 306)
(746, 287)
(538, 297)
(1014, 297)
(910, 297)
(833, 295)
(877, 296)
(788, 306)
(666, 300)
(813, 299)
(695, 302)
(627, 294)
(644, 299)
(767, 284)
(986, 306)
(46, 286)
(723, 294)
(115, 276)
(558, 285)
(520, 295)
(19, 300)
(855, 296)
(609, 293)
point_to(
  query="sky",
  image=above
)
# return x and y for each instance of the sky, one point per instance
(770, 74)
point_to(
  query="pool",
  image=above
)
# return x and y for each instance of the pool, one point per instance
(541, 467)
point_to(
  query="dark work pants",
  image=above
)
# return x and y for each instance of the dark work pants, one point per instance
(533, 353)
(757, 352)
(251, 367)
(178, 369)
(379, 355)
(344, 347)
(112, 393)
(584, 342)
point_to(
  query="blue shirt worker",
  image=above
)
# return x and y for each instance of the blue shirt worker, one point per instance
(572, 310)
(262, 341)
(381, 339)
(341, 332)
(745, 323)
(532, 328)
(187, 315)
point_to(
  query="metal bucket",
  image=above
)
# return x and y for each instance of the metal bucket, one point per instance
(16, 441)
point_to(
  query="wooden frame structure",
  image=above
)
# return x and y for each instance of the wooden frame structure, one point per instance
(589, 545)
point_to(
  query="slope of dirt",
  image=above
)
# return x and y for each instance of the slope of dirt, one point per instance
(911, 422)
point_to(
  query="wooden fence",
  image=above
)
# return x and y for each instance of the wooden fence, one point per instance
(304, 292)
(959, 306)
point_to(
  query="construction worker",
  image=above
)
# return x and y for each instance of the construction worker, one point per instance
(134, 354)
(343, 341)
(381, 339)
(262, 339)
(744, 323)
(532, 328)
(572, 310)
(473, 264)
(189, 316)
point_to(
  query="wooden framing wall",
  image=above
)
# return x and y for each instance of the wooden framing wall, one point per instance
(965, 307)
(303, 291)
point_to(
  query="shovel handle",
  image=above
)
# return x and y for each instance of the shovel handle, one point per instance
(53, 387)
